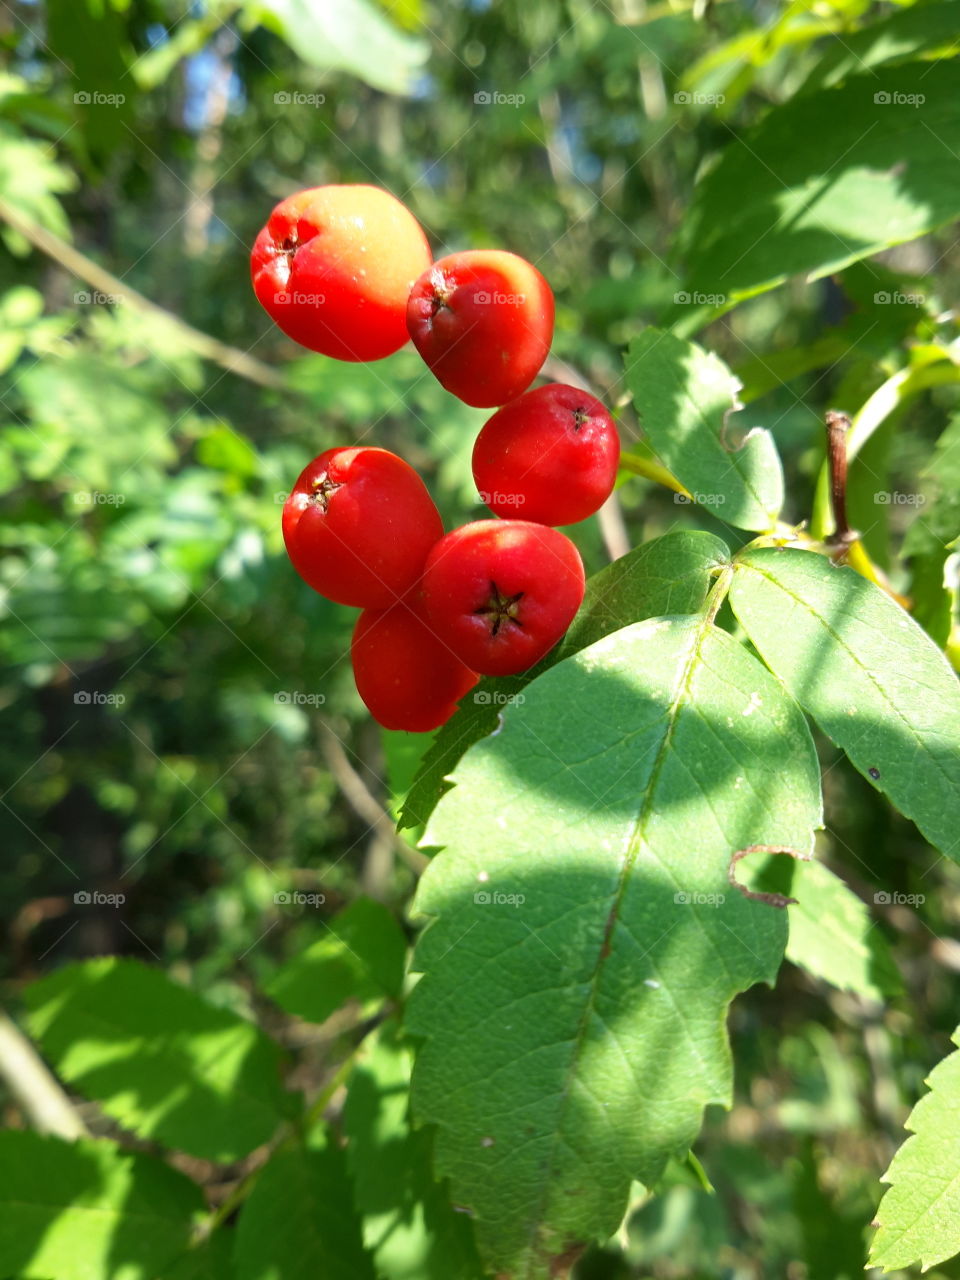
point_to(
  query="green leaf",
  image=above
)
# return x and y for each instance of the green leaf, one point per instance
(210, 1260)
(825, 179)
(361, 956)
(86, 1210)
(670, 574)
(300, 1222)
(868, 674)
(919, 1217)
(833, 937)
(351, 35)
(585, 940)
(31, 178)
(921, 28)
(159, 1059)
(408, 1222)
(685, 399)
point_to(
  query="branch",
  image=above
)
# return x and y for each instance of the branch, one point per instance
(36, 1090)
(230, 358)
(362, 801)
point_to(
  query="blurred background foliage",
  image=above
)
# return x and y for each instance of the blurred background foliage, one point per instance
(179, 722)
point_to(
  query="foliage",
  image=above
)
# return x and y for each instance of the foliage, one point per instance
(282, 1069)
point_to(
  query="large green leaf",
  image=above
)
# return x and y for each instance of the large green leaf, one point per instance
(360, 955)
(868, 674)
(159, 1059)
(670, 574)
(86, 1210)
(300, 1222)
(685, 399)
(825, 179)
(409, 1224)
(919, 1217)
(351, 35)
(586, 941)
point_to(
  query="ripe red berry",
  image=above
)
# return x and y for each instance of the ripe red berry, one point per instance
(483, 322)
(407, 678)
(334, 266)
(501, 593)
(359, 525)
(550, 456)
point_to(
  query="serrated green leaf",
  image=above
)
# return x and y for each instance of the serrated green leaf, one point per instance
(668, 575)
(685, 399)
(158, 1058)
(875, 683)
(919, 1216)
(409, 1224)
(361, 956)
(825, 179)
(832, 936)
(585, 940)
(86, 1210)
(300, 1222)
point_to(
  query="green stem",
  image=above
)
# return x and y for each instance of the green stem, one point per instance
(651, 470)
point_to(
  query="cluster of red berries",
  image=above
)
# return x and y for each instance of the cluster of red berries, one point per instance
(347, 271)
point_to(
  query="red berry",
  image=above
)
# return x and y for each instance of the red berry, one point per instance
(483, 322)
(501, 593)
(333, 267)
(549, 456)
(407, 678)
(359, 525)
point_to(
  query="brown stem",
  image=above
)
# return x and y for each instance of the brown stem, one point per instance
(838, 424)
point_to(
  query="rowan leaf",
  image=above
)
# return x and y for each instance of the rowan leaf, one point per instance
(84, 1210)
(919, 1216)
(300, 1222)
(158, 1058)
(585, 939)
(873, 680)
(686, 398)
